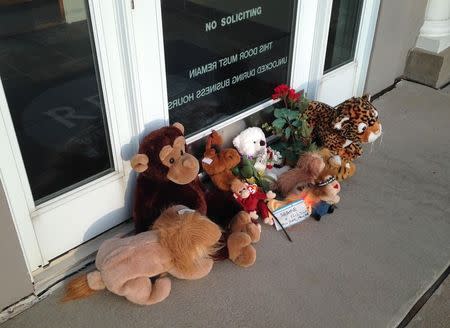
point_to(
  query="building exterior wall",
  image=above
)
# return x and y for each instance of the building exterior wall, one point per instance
(16, 282)
(397, 30)
(398, 26)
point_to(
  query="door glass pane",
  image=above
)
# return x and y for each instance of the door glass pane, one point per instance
(223, 57)
(343, 33)
(49, 74)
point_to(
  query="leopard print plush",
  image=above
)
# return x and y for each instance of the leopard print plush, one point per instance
(346, 127)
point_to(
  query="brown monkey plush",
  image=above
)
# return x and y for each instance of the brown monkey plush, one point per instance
(218, 164)
(169, 176)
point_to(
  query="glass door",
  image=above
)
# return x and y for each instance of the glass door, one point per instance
(60, 110)
(346, 52)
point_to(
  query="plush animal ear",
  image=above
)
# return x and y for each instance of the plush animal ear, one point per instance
(139, 163)
(237, 143)
(367, 97)
(337, 124)
(179, 126)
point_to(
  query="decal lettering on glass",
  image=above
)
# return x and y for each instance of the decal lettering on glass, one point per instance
(223, 58)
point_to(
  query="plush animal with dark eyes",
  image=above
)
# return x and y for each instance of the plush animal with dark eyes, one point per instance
(314, 181)
(168, 176)
(346, 127)
(253, 200)
(218, 164)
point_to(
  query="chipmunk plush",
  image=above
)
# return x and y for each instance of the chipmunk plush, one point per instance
(314, 181)
(309, 168)
(253, 200)
(181, 244)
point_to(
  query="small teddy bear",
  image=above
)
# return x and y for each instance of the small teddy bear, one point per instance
(251, 144)
(253, 200)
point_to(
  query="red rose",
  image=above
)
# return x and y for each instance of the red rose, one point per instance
(293, 96)
(281, 91)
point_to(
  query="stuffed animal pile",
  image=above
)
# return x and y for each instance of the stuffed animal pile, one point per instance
(182, 225)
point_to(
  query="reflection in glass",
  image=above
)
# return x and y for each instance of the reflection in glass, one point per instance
(48, 72)
(224, 56)
(343, 33)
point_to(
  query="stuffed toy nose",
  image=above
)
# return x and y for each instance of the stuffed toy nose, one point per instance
(262, 143)
(189, 163)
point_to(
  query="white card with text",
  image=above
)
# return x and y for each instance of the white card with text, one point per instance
(291, 214)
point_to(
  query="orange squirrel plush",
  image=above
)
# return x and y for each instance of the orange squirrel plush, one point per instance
(314, 181)
(218, 164)
(181, 244)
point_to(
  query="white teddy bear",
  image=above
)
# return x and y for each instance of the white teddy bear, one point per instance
(252, 143)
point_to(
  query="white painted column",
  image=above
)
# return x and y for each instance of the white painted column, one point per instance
(435, 33)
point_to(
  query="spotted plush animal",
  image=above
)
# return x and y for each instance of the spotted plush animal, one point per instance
(346, 127)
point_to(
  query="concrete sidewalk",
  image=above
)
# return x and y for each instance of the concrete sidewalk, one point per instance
(364, 266)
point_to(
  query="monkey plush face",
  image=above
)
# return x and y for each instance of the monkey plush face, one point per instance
(240, 189)
(162, 156)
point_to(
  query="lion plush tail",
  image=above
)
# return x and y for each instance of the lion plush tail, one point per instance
(83, 286)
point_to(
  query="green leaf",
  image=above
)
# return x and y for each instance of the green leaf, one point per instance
(279, 113)
(305, 131)
(296, 123)
(282, 113)
(279, 123)
(287, 132)
(313, 147)
(292, 115)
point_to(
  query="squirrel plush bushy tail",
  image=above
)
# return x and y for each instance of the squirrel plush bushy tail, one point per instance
(83, 286)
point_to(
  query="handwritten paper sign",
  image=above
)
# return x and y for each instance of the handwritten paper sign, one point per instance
(291, 214)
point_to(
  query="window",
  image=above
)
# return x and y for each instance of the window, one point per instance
(223, 57)
(48, 68)
(343, 33)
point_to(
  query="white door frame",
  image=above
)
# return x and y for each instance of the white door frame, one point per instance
(134, 84)
(91, 201)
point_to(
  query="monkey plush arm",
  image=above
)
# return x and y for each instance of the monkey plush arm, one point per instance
(145, 211)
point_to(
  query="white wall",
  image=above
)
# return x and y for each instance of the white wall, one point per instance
(15, 283)
(398, 27)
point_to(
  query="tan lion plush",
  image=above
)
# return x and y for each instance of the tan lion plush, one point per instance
(181, 244)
